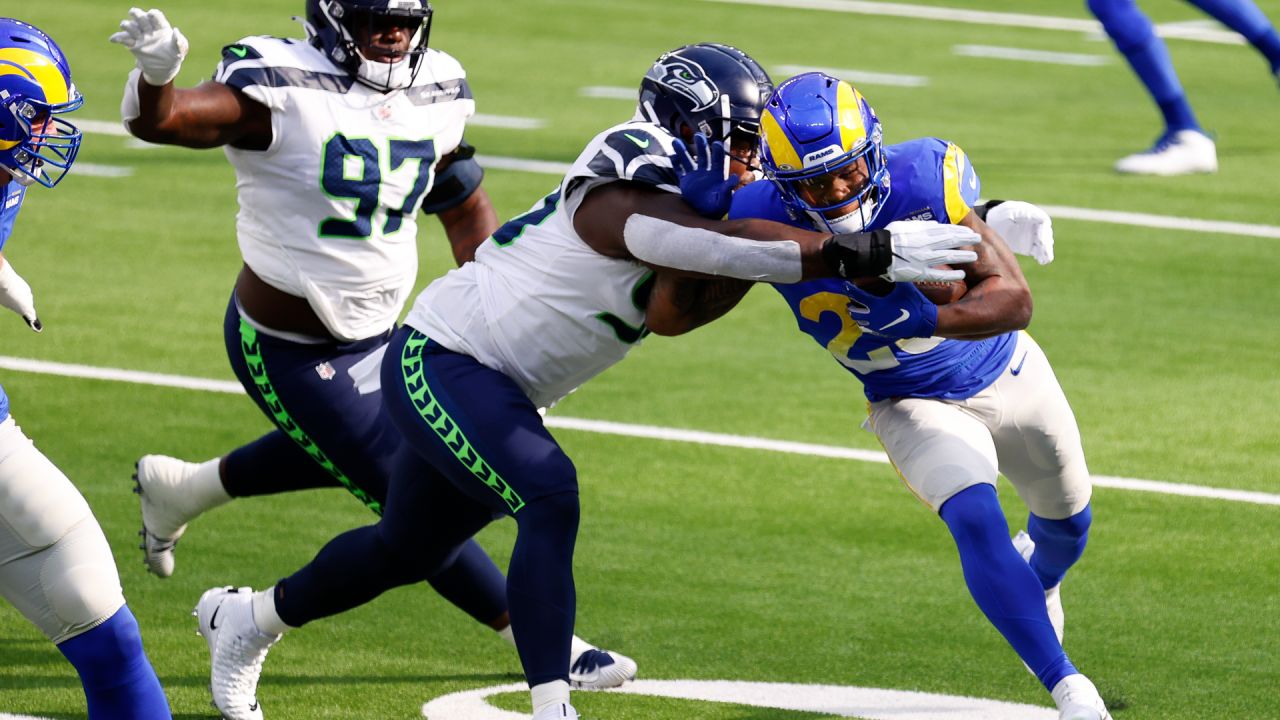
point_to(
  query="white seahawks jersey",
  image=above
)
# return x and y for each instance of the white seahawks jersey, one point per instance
(329, 211)
(538, 304)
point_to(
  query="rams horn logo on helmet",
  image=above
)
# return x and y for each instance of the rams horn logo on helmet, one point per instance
(688, 79)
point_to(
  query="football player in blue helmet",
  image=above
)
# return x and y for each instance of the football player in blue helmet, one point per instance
(955, 392)
(36, 145)
(831, 165)
(342, 30)
(55, 565)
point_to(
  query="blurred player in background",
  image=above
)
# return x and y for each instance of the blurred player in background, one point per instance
(55, 564)
(955, 392)
(1184, 147)
(338, 142)
(558, 295)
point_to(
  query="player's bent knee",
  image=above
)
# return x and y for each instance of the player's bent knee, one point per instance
(80, 583)
(558, 511)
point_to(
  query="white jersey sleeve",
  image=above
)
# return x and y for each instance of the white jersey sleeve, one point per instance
(540, 305)
(329, 210)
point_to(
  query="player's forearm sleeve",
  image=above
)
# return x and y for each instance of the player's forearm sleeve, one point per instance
(130, 107)
(667, 244)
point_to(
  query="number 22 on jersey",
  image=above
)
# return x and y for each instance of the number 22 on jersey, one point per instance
(818, 304)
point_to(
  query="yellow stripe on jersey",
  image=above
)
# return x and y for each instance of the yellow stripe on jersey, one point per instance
(953, 167)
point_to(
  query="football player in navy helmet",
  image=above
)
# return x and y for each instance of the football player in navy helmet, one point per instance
(55, 565)
(610, 255)
(329, 262)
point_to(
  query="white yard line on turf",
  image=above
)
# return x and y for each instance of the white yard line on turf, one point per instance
(1036, 56)
(982, 17)
(628, 430)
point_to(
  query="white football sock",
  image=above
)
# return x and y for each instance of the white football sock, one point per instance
(203, 490)
(548, 694)
(264, 613)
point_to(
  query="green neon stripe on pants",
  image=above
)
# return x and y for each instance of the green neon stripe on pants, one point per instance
(258, 371)
(435, 416)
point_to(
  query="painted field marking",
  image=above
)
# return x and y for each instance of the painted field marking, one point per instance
(982, 17)
(857, 77)
(650, 432)
(610, 92)
(102, 171)
(507, 122)
(842, 701)
(1036, 56)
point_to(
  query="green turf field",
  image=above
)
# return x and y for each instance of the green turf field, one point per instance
(706, 562)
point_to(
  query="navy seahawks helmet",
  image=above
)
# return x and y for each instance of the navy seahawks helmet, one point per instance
(333, 27)
(714, 89)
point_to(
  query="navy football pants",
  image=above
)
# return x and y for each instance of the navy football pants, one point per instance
(327, 435)
(475, 449)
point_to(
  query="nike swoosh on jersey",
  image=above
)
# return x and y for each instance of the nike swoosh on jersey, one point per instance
(239, 50)
(1018, 368)
(906, 315)
(641, 142)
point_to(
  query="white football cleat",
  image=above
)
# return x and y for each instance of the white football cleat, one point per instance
(1180, 153)
(596, 669)
(158, 481)
(1023, 543)
(559, 711)
(236, 650)
(1078, 699)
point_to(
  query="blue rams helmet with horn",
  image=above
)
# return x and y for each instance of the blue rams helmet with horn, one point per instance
(36, 145)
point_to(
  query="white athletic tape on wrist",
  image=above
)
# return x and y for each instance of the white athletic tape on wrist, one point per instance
(667, 244)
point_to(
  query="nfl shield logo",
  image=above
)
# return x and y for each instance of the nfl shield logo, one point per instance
(325, 371)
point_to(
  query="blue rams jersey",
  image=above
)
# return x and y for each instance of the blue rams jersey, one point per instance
(931, 179)
(11, 195)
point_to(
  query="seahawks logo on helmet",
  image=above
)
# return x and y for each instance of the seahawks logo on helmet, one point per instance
(686, 78)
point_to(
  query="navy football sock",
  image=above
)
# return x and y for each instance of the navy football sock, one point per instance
(119, 682)
(1135, 38)
(1059, 544)
(1002, 584)
(1246, 18)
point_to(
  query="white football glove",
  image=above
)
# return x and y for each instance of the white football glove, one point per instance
(1026, 228)
(16, 295)
(158, 46)
(920, 244)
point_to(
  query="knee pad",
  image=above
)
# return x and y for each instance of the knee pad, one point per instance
(80, 582)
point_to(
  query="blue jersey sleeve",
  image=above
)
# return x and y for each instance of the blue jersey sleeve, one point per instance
(11, 196)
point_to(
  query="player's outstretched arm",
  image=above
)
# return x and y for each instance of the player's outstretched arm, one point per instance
(998, 300)
(680, 303)
(208, 115)
(630, 221)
